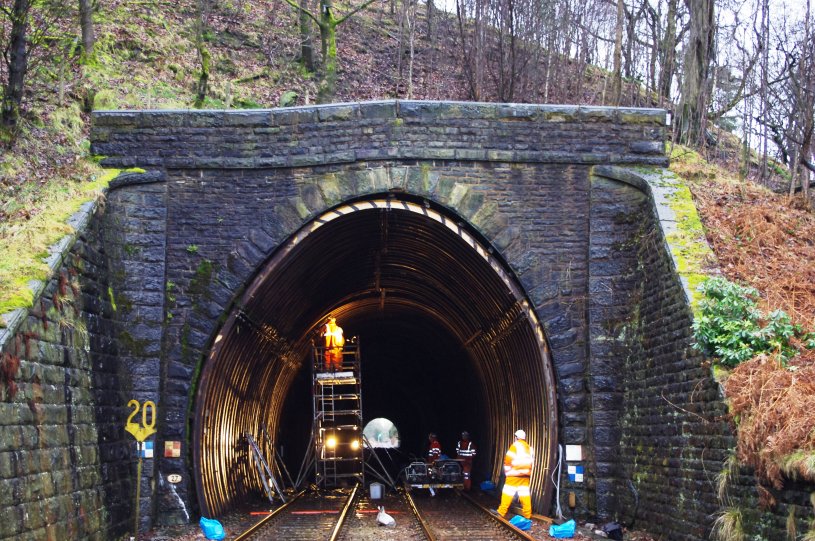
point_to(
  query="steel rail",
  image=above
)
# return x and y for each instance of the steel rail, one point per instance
(422, 522)
(344, 514)
(496, 517)
(261, 523)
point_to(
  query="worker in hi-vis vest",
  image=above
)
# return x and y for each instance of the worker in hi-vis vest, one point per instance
(334, 341)
(433, 448)
(517, 469)
(465, 451)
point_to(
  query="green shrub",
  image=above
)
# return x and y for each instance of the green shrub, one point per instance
(731, 328)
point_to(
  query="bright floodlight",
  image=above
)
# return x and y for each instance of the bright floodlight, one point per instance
(355, 445)
(331, 442)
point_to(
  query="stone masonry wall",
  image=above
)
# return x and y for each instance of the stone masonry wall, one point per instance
(222, 225)
(675, 432)
(239, 183)
(65, 466)
(134, 230)
(617, 210)
(403, 130)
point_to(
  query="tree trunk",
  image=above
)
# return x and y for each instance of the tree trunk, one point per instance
(17, 65)
(306, 44)
(667, 53)
(86, 23)
(431, 9)
(694, 100)
(204, 56)
(328, 38)
(412, 21)
(617, 77)
(808, 84)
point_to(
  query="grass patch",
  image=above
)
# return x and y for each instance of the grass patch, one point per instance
(26, 241)
(729, 526)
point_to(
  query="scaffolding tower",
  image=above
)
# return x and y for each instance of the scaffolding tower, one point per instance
(337, 437)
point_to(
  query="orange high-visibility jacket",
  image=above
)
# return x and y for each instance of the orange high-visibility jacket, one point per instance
(333, 336)
(518, 460)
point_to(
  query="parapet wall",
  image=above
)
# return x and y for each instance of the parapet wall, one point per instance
(386, 130)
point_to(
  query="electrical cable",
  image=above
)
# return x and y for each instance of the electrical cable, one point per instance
(556, 481)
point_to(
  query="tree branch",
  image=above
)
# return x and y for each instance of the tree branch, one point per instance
(304, 10)
(740, 92)
(355, 10)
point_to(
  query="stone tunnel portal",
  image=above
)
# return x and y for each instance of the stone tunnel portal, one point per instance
(448, 340)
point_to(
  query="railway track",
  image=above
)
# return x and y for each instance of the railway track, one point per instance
(351, 516)
(308, 516)
(453, 516)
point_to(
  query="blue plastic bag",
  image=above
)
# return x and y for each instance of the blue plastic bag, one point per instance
(212, 528)
(564, 531)
(521, 523)
(486, 486)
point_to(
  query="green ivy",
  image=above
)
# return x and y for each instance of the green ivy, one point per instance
(731, 328)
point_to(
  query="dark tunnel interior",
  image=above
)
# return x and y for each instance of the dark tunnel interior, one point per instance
(414, 374)
(448, 343)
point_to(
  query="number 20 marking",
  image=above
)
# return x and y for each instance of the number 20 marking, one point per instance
(136, 406)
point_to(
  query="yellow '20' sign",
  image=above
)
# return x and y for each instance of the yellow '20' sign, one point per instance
(147, 427)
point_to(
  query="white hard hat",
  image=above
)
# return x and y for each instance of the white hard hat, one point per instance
(520, 434)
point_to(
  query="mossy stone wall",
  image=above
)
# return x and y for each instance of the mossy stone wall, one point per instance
(66, 465)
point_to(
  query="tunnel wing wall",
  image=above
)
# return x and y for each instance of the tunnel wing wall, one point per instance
(659, 424)
(67, 467)
(660, 427)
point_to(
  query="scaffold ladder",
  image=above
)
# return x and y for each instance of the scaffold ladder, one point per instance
(267, 478)
(337, 437)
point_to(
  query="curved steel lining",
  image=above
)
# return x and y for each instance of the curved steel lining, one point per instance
(362, 260)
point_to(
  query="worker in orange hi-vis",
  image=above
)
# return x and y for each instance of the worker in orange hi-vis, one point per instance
(334, 341)
(518, 469)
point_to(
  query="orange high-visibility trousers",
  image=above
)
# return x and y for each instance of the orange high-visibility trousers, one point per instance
(516, 486)
(333, 359)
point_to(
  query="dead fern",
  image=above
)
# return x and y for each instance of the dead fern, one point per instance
(774, 406)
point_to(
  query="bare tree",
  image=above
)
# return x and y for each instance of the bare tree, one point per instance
(201, 23)
(470, 18)
(328, 23)
(306, 45)
(791, 119)
(617, 76)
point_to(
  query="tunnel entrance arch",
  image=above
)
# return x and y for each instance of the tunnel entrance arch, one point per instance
(438, 309)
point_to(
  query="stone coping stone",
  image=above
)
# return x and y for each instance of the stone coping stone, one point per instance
(662, 186)
(383, 109)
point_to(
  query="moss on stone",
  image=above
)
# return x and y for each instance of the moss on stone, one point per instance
(133, 345)
(199, 288)
(688, 243)
(26, 244)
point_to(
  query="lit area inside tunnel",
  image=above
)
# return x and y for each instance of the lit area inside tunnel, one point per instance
(447, 340)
